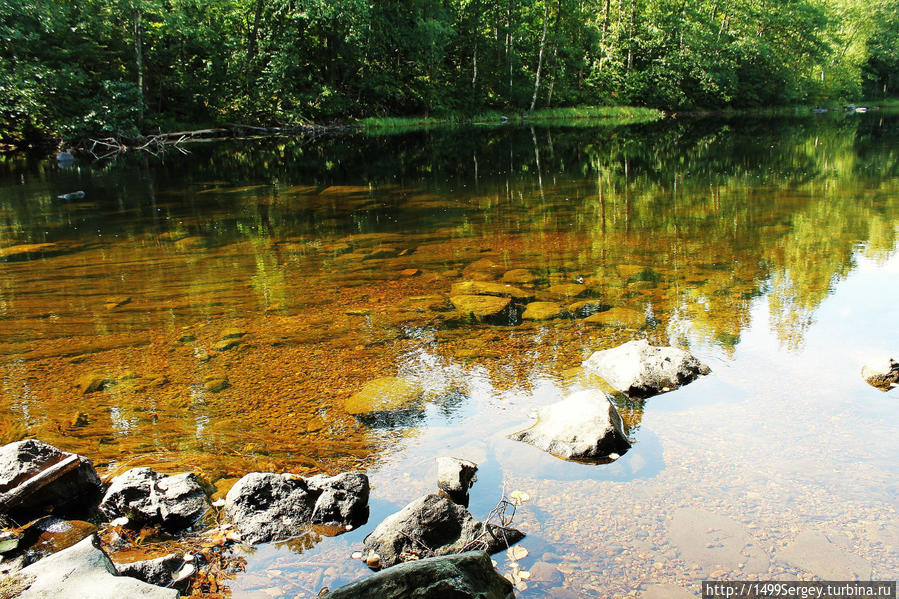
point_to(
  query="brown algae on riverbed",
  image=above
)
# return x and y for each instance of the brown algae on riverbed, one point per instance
(228, 334)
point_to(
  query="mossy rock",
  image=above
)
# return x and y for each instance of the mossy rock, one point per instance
(519, 276)
(386, 394)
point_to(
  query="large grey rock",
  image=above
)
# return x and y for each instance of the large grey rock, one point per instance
(585, 426)
(268, 507)
(145, 496)
(455, 477)
(434, 525)
(639, 369)
(468, 575)
(20, 462)
(159, 571)
(83, 571)
(883, 375)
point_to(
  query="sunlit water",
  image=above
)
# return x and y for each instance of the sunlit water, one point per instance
(768, 248)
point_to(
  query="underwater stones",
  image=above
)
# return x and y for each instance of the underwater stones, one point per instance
(214, 384)
(424, 303)
(93, 382)
(542, 311)
(194, 242)
(638, 369)
(826, 556)
(116, 301)
(883, 375)
(385, 394)
(627, 318)
(490, 288)
(83, 571)
(481, 307)
(455, 477)
(148, 497)
(382, 252)
(568, 289)
(628, 270)
(434, 525)
(267, 506)
(232, 333)
(225, 344)
(519, 276)
(468, 575)
(585, 426)
(36, 477)
(585, 308)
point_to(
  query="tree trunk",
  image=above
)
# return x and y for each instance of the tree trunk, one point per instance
(540, 58)
(630, 37)
(139, 62)
(252, 42)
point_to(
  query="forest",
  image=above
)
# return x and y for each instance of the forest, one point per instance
(71, 69)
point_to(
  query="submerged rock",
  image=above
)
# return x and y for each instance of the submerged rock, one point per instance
(627, 318)
(519, 276)
(455, 477)
(468, 575)
(431, 526)
(585, 426)
(638, 369)
(83, 571)
(482, 307)
(489, 288)
(148, 497)
(884, 375)
(267, 506)
(568, 289)
(586, 308)
(542, 311)
(36, 477)
(27, 251)
(385, 394)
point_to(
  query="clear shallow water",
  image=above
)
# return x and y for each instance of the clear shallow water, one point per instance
(766, 247)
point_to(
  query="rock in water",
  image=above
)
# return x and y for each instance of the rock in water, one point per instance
(147, 497)
(585, 426)
(386, 394)
(482, 308)
(542, 311)
(24, 493)
(431, 526)
(83, 571)
(468, 575)
(638, 369)
(455, 477)
(883, 375)
(267, 506)
(75, 195)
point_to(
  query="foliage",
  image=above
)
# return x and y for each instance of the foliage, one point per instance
(73, 69)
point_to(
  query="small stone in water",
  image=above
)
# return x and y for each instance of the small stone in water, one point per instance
(356, 555)
(218, 503)
(373, 561)
(516, 553)
(122, 521)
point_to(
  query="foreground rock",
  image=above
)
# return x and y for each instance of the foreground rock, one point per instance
(83, 571)
(638, 369)
(269, 507)
(36, 477)
(386, 394)
(147, 497)
(455, 477)
(884, 375)
(468, 575)
(585, 426)
(160, 571)
(432, 526)
(483, 308)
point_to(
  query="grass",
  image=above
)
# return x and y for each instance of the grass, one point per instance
(588, 116)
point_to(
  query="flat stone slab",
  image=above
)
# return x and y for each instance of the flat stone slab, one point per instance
(83, 571)
(825, 556)
(710, 540)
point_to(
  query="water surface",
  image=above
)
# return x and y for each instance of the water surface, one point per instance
(768, 248)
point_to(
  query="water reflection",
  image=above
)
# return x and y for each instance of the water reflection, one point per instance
(336, 261)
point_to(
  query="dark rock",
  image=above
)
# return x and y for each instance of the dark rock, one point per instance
(343, 498)
(468, 575)
(268, 507)
(455, 477)
(65, 159)
(641, 370)
(884, 375)
(584, 427)
(158, 571)
(147, 497)
(83, 571)
(23, 461)
(431, 526)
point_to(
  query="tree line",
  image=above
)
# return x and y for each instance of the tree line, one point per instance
(69, 69)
